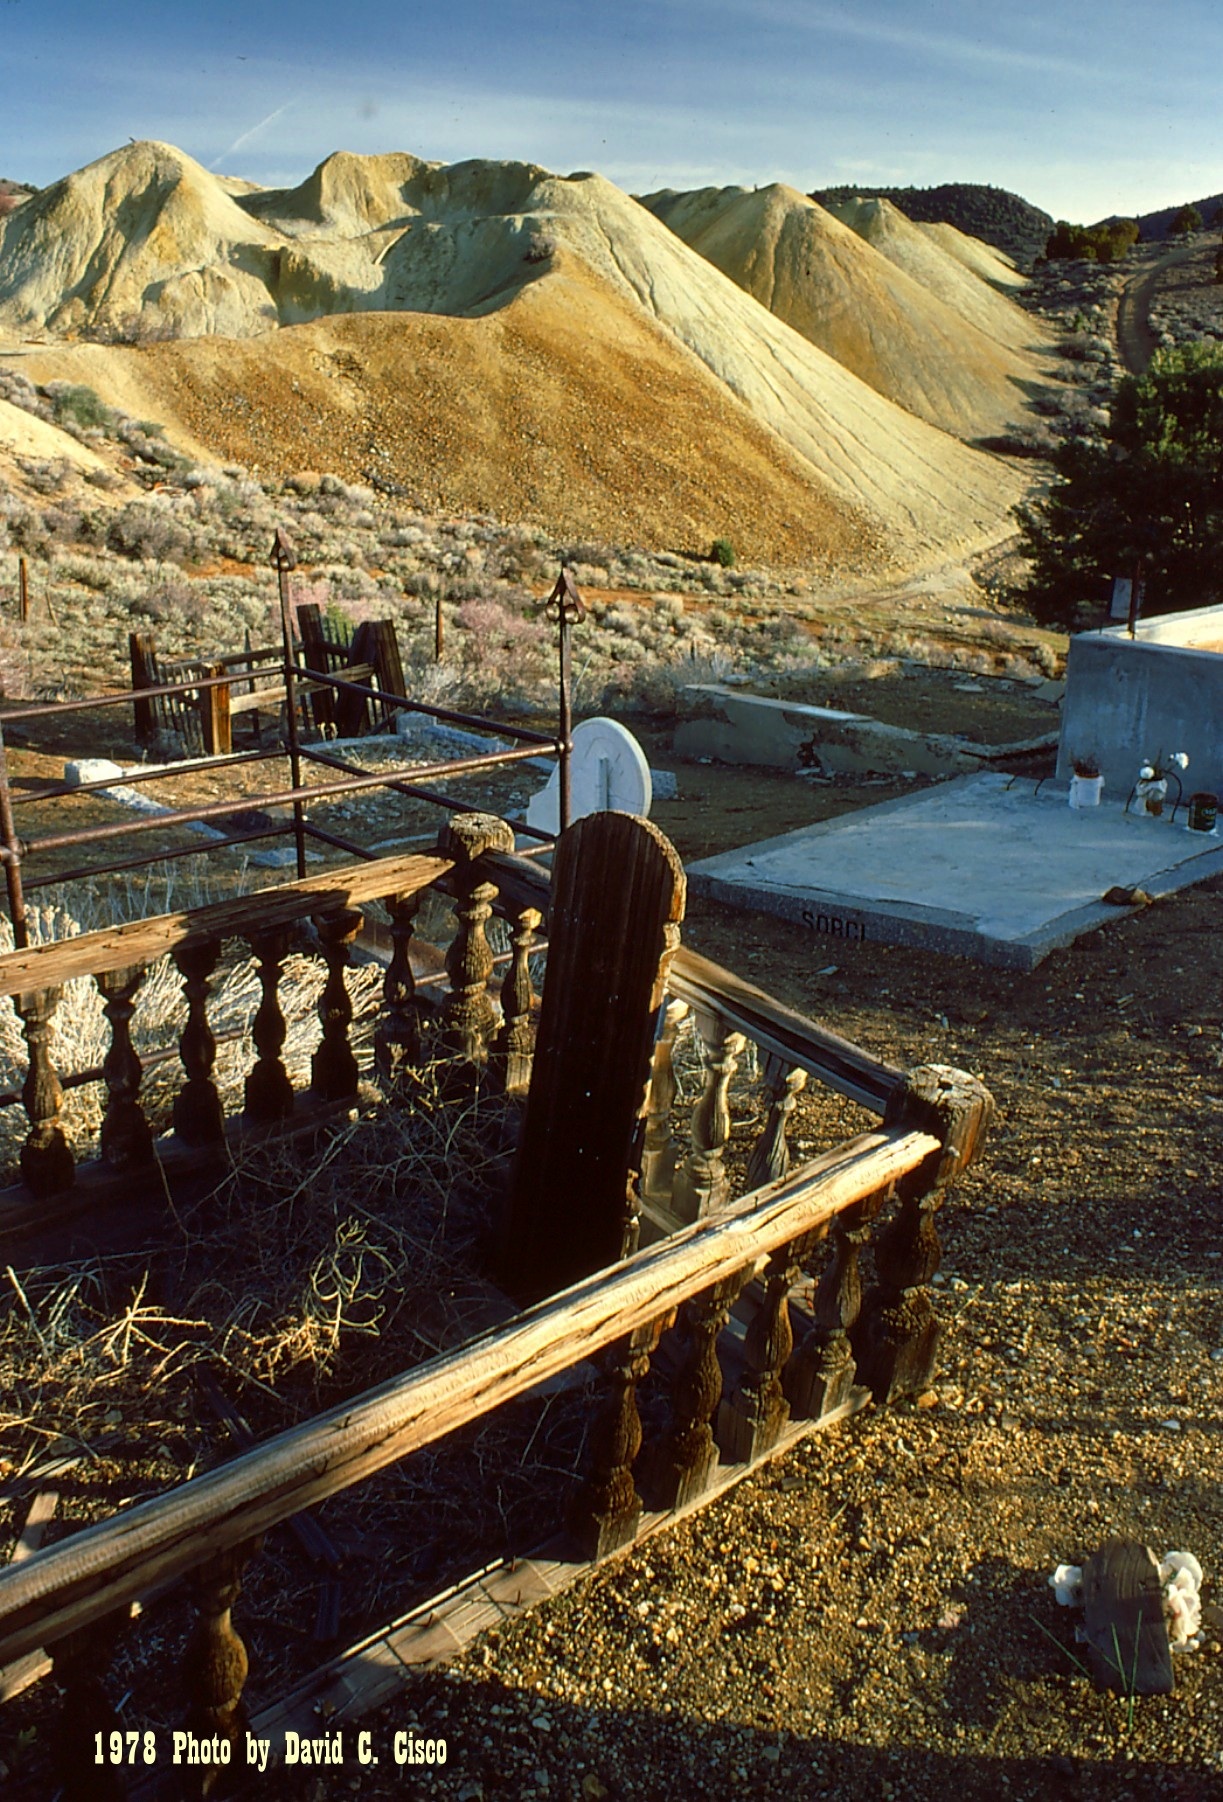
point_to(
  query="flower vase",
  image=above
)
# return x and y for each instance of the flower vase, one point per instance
(1151, 796)
(1085, 791)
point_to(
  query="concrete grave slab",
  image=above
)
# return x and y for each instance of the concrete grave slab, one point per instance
(984, 867)
(746, 729)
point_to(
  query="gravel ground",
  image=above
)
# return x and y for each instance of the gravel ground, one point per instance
(870, 1616)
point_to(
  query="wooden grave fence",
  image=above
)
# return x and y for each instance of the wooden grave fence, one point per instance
(733, 1399)
(203, 719)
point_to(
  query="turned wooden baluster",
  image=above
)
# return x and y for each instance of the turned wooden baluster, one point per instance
(897, 1335)
(215, 1663)
(702, 1185)
(397, 1038)
(269, 1093)
(47, 1163)
(514, 1046)
(688, 1456)
(820, 1375)
(660, 1148)
(79, 1663)
(770, 1159)
(468, 1016)
(333, 1068)
(126, 1138)
(751, 1420)
(607, 1509)
(198, 1115)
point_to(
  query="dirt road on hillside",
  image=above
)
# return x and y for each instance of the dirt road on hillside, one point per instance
(1135, 339)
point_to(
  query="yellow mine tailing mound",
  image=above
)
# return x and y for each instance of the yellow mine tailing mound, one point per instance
(489, 336)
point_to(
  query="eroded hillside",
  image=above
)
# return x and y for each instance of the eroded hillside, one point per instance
(491, 336)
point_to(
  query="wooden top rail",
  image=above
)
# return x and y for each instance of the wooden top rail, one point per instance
(265, 697)
(804, 1043)
(790, 1035)
(232, 660)
(143, 941)
(106, 1567)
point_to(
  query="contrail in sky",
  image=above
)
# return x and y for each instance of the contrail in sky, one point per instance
(254, 131)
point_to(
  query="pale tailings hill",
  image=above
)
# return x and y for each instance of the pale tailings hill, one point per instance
(540, 346)
(922, 252)
(892, 328)
(990, 215)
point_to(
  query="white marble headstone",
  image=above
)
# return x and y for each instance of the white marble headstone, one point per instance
(608, 772)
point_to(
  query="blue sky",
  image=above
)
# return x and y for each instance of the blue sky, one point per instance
(1086, 109)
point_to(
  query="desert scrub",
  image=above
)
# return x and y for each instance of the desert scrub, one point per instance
(148, 530)
(16, 664)
(722, 552)
(76, 406)
(504, 654)
(84, 570)
(19, 391)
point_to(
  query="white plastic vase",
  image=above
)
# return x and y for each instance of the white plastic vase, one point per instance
(1085, 791)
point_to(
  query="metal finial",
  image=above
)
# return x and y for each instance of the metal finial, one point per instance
(565, 603)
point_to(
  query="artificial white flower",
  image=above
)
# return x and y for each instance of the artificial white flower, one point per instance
(1067, 1585)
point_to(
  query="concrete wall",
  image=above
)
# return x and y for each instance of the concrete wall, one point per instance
(753, 730)
(1130, 699)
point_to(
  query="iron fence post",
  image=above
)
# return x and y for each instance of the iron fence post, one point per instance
(566, 606)
(284, 558)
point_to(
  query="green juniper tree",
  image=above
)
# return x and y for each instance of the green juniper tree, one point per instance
(1151, 493)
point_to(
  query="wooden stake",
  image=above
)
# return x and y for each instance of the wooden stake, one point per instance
(143, 649)
(215, 724)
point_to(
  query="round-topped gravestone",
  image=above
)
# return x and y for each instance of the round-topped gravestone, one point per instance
(608, 773)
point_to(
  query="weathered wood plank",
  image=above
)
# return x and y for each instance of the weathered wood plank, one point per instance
(104, 1567)
(314, 656)
(142, 941)
(353, 711)
(388, 664)
(142, 648)
(617, 899)
(215, 710)
(263, 699)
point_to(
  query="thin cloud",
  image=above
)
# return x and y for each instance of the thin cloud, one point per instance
(951, 47)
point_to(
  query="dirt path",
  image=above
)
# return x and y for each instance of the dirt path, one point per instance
(1135, 339)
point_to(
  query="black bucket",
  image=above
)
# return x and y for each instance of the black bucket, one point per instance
(1203, 812)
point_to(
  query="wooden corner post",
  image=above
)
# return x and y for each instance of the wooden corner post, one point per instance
(617, 900)
(897, 1333)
